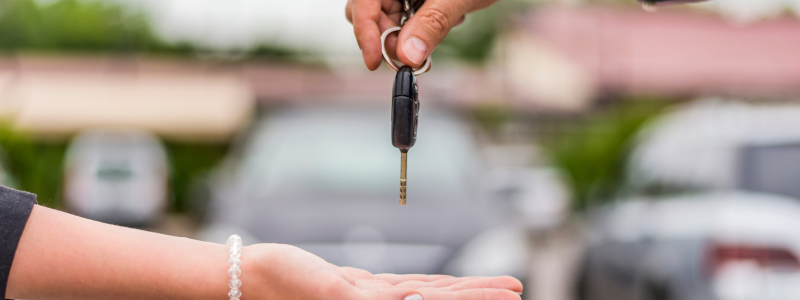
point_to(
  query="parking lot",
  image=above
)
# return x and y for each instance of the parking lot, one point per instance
(592, 149)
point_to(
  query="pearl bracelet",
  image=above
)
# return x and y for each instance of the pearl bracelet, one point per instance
(235, 262)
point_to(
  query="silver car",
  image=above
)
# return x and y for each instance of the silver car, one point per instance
(712, 210)
(718, 245)
(326, 179)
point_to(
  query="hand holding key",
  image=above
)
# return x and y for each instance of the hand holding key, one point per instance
(420, 35)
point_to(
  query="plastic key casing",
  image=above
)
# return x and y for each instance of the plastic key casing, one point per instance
(405, 109)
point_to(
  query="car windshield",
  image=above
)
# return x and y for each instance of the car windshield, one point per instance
(349, 153)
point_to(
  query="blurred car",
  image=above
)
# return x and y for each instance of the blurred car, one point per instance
(718, 245)
(118, 177)
(326, 179)
(710, 209)
(719, 144)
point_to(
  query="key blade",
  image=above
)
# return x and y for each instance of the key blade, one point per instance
(403, 178)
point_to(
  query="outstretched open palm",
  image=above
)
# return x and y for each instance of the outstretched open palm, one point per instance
(288, 272)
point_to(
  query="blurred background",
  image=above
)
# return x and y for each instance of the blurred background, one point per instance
(587, 147)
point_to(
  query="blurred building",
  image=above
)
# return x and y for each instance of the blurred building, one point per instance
(564, 57)
(448, 85)
(60, 96)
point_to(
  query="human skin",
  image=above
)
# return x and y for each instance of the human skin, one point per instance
(61, 256)
(420, 35)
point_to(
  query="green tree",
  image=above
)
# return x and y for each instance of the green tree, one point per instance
(72, 25)
(594, 150)
(473, 41)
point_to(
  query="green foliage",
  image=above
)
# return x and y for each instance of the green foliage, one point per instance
(188, 163)
(594, 149)
(472, 41)
(273, 53)
(73, 25)
(34, 167)
(95, 26)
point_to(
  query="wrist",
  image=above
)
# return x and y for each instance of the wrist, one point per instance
(256, 278)
(207, 282)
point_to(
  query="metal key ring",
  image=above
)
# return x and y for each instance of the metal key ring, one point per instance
(425, 67)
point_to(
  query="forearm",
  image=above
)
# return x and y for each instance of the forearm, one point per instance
(61, 256)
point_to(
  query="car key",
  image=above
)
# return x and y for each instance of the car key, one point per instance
(405, 104)
(405, 115)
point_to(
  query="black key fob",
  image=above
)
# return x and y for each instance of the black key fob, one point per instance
(405, 109)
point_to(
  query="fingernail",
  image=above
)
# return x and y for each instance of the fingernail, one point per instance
(413, 297)
(415, 50)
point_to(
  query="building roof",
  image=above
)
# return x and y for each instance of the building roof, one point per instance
(674, 51)
(57, 96)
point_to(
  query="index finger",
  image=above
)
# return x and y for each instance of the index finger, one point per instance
(366, 14)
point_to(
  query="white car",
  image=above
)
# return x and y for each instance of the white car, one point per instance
(118, 177)
(719, 245)
(710, 209)
(720, 144)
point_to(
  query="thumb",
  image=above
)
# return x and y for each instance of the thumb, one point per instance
(427, 28)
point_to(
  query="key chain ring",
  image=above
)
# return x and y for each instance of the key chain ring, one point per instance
(425, 67)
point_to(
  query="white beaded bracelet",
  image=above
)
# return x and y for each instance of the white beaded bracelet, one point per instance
(235, 262)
